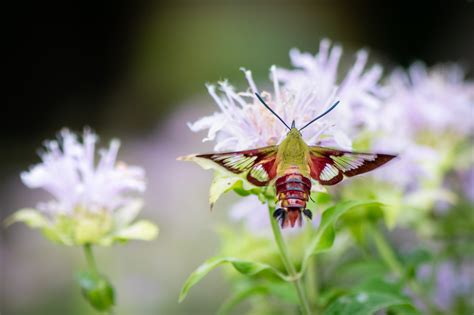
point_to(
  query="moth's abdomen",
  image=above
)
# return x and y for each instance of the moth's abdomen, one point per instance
(293, 191)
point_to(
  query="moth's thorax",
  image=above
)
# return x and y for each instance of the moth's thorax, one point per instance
(293, 153)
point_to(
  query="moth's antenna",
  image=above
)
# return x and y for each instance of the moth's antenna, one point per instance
(271, 110)
(323, 114)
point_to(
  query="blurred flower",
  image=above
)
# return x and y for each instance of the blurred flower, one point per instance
(427, 113)
(437, 100)
(91, 203)
(299, 95)
(69, 174)
(451, 281)
(427, 121)
(468, 183)
(317, 77)
(254, 214)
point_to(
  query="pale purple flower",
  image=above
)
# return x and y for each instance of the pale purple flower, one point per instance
(316, 76)
(298, 95)
(68, 172)
(253, 213)
(426, 114)
(438, 100)
(450, 282)
(467, 182)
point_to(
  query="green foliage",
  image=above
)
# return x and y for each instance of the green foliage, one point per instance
(347, 277)
(282, 290)
(85, 227)
(266, 279)
(323, 239)
(248, 268)
(365, 303)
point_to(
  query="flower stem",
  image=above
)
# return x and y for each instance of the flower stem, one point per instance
(290, 268)
(90, 257)
(388, 256)
(311, 280)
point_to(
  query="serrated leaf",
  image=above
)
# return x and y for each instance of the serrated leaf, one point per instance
(366, 303)
(324, 237)
(248, 268)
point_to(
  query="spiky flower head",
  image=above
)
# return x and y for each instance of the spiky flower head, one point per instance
(91, 202)
(297, 95)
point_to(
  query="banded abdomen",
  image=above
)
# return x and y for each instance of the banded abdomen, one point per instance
(293, 191)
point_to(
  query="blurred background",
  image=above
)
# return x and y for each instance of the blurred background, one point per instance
(136, 71)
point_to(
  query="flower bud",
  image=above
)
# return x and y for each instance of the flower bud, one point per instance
(97, 290)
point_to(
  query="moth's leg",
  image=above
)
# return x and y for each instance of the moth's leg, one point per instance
(278, 213)
(308, 213)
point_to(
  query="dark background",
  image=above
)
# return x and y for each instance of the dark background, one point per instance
(68, 60)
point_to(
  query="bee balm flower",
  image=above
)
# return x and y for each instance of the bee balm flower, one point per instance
(298, 95)
(92, 203)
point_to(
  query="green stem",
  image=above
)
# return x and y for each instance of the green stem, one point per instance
(388, 256)
(290, 268)
(90, 258)
(311, 276)
(311, 281)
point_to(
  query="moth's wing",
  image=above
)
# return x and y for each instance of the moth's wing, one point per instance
(329, 166)
(258, 165)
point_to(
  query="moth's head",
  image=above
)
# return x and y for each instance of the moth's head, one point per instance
(294, 132)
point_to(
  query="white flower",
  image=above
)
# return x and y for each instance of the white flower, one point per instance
(298, 95)
(93, 203)
(69, 173)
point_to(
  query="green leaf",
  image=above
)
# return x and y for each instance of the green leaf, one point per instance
(141, 230)
(284, 291)
(366, 303)
(377, 284)
(323, 239)
(30, 217)
(223, 180)
(247, 268)
(241, 296)
(357, 270)
(97, 290)
(220, 185)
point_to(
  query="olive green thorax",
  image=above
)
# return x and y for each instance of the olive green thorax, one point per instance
(293, 153)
